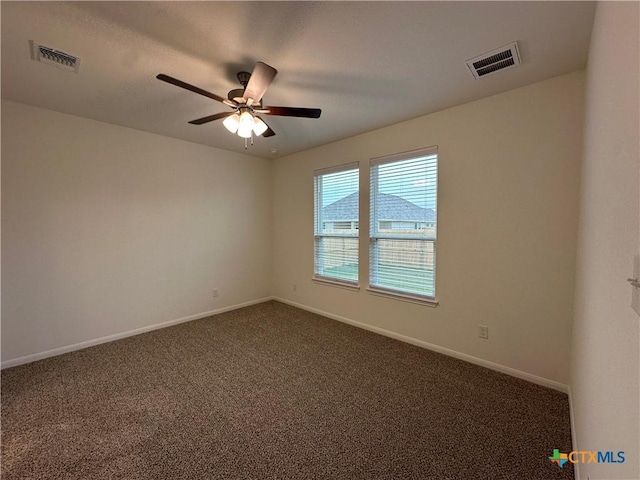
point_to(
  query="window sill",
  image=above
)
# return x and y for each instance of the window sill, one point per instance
(404, 297)
(334, 283)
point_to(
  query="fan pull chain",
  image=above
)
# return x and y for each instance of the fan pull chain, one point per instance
(246, 140)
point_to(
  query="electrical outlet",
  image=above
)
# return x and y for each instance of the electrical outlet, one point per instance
(215, 292)
(635, 291)
(483, 331)
(295, 287)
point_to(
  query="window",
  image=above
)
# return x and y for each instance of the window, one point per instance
(403, 211)
(336, 225)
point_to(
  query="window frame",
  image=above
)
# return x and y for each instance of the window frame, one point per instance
(375, 236)
(318, 222)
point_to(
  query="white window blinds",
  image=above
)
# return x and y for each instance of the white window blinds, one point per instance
(336, 224)
(403, 214)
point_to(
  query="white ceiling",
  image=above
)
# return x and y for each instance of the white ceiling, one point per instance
(365, 64)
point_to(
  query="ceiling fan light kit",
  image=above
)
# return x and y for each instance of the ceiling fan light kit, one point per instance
(231, 123)
(259, 127)
(246, 102)
(245, 124)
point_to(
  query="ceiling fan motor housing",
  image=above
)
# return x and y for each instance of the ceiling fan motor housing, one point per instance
(236, 93)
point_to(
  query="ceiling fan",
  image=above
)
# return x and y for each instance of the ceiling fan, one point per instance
(246, 103)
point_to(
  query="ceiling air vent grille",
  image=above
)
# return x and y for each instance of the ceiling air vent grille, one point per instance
(494, 61)
(54, 57)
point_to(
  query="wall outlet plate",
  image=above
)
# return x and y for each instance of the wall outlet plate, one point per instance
(635, 292)
(483, 331)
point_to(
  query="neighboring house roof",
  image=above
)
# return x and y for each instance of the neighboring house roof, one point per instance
(343, 210)
(391, 208)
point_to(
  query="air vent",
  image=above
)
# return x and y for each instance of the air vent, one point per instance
(56, 58)
(494, 61)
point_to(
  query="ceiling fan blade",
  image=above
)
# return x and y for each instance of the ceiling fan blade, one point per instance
(261, 78)
(268, 132)
(211, 118)
(292, 112)
(191, 88)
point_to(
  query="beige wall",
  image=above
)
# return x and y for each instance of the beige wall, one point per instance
(606, 336)
(508, 202)
(107, 229)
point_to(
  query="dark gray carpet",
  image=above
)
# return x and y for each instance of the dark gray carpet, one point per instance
(271, 391)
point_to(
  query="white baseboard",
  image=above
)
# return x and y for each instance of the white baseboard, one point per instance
(545, 382)
(574, 440)
(130, 333)
(420, 343)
